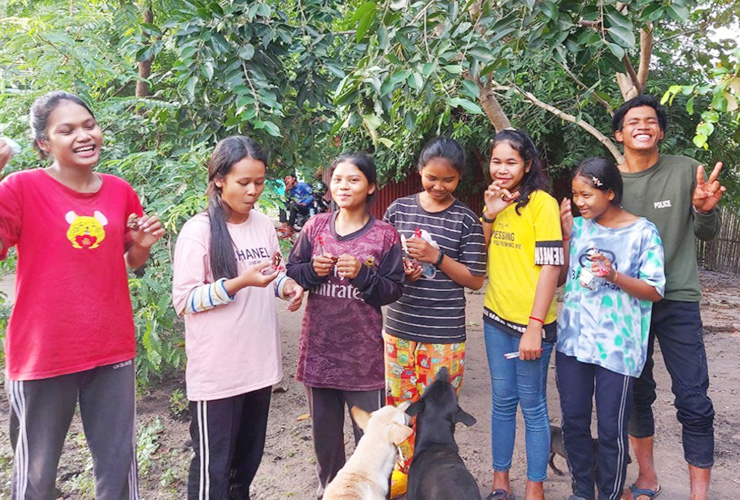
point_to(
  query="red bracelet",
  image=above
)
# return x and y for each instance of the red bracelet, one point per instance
(566, 239)
(537, 319)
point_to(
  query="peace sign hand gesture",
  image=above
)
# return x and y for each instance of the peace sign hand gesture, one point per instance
(707, 193)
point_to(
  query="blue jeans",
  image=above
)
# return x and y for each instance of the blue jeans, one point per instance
(678, 328)
(516, 382)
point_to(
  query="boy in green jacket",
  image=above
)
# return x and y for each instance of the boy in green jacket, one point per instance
(671, 192)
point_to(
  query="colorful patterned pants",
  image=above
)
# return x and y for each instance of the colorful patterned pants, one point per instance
(409, 368)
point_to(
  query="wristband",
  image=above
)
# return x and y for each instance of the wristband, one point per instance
(486, 219)
(696, 210)
(616, 277)
(567, 239)
(439, 259)
(537, 319)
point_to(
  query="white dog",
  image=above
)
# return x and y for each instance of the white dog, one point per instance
(366, 474)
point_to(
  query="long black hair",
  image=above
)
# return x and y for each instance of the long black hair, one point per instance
(534, 179)
(227, 152)
(603, 175)
(42, 108)
(364, 164)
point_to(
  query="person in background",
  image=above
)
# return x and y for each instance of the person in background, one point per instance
(298, 200)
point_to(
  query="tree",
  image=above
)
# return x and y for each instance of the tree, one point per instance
(486, 56)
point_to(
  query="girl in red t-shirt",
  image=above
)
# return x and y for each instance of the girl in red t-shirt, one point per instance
(71, 334)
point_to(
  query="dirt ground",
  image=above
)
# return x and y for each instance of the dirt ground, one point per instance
(287, 470)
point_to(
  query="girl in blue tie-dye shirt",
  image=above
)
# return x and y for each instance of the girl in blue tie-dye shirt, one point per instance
(613, 273)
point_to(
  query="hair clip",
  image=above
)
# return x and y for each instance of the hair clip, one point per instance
(596, 181)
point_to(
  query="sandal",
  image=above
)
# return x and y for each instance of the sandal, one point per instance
(645, 492)
(500, 495)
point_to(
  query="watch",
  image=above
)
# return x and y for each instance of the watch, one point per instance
(439, 259)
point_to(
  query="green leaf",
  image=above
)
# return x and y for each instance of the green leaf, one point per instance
(705, 128)
(454, 69)
(700, 141)
(400, 76)
(651, 10)
(246, 52)
(271, 128)
(190, 86)
(364, 24)
(616, 18)
(206, 70)
(549, 9)
(690, 106)
(615, 49)
(622, 36)
(361, 12)
(678, 13)
(386, 142)
(467, 105)
(471, 88)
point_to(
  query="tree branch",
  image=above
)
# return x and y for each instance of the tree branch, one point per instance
(608, 144)
(145, 67)
(583, 85)
(631, 73)
(646, 52)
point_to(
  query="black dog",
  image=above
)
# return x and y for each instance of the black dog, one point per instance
(557, 447)
(437, 471)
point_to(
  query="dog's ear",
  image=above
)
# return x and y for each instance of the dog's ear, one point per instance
(443, 374)
(415, 408)
(400, 433)
(360, 416)
(464, 417)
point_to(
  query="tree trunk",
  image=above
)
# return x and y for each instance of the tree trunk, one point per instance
(631, 84)
(491, 106)
(145, 67)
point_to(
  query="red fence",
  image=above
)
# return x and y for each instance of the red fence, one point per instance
(472, 196)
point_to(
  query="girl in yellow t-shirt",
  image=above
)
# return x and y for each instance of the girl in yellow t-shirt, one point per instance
(521, 225)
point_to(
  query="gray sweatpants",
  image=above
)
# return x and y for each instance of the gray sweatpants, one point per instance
(41, 412)
(326, 407)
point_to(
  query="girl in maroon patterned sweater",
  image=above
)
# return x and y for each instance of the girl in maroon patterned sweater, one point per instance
(352, 264)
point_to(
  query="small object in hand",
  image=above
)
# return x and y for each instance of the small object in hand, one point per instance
(15, 148)
(133, 222)
(514, 355)
(587, 279)
(276, 266)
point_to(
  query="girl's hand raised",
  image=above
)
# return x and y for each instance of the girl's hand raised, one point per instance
(566, 218)
(323, 264)
(348, 266)
(497, 199)
(146, 230)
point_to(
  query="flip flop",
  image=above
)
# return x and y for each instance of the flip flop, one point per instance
(645, 492)
(500, 495)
